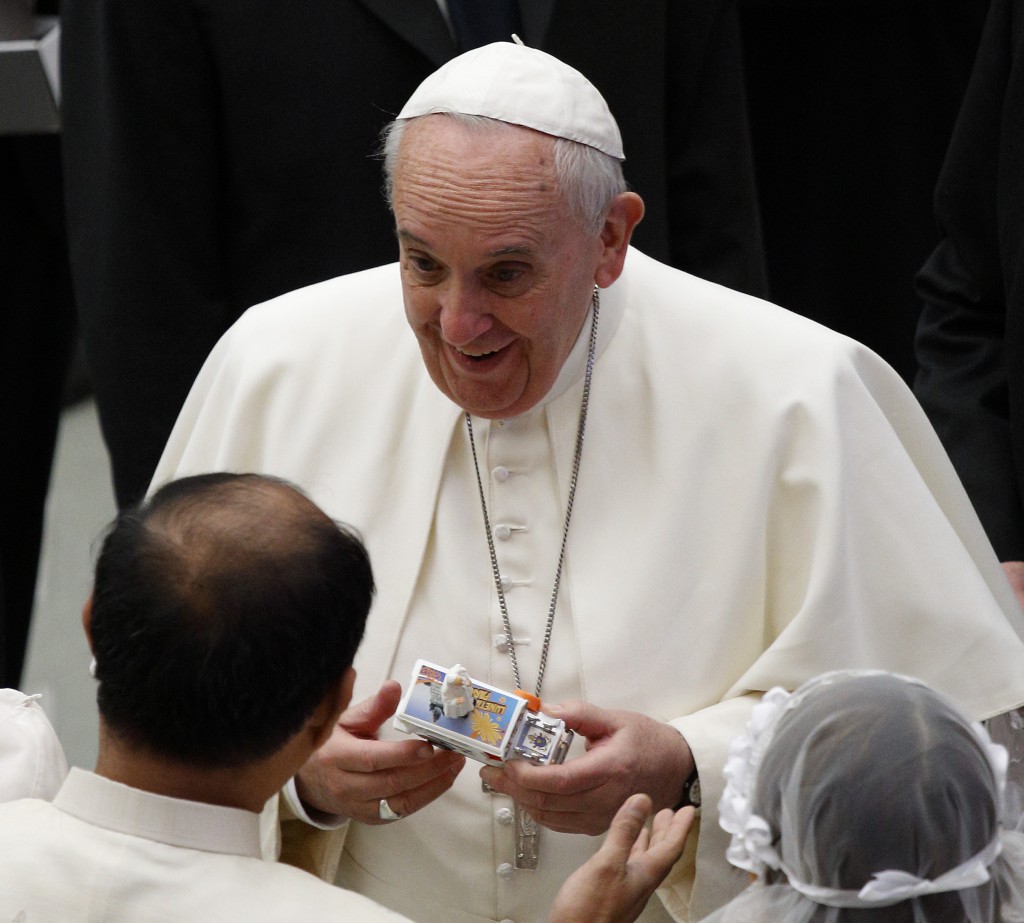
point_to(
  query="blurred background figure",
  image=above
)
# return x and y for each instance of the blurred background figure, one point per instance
(37, 324)
(851, 106)
(218, 155)
(970, 341)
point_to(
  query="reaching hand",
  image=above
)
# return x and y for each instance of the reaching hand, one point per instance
(614, 885)
(353, 771)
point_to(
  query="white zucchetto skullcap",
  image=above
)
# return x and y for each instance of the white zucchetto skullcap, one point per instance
(523, 86)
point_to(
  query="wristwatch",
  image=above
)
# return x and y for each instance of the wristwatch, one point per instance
(691, 791)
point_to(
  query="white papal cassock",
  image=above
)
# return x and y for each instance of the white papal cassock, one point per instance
(760, 499)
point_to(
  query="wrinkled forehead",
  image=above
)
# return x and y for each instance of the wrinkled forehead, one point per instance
(485, 165)
(470, 141)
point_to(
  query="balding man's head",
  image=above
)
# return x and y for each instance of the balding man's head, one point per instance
(225, 608)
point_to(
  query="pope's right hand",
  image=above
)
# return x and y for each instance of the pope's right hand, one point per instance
(353, 771)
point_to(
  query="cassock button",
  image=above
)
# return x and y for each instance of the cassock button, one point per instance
(508, 920)
(502, 533)
(501, 473)
(501, 643)
(506, 582)
(505, 870)
(504, 816)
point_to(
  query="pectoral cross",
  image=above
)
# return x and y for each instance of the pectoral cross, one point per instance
(527, 840)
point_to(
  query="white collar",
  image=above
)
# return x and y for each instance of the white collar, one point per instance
(114, 806)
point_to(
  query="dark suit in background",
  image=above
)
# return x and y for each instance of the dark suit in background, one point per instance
(970, 341)
(37, 322)
(218, 154)
(851, 106)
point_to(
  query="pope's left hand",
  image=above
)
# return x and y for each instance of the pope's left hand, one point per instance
(626, 752)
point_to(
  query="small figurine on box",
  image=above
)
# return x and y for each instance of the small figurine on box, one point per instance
(457, 692)
(488, 724)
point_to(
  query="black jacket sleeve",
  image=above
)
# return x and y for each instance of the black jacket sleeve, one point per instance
(968, 342)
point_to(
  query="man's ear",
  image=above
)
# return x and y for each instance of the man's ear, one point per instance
(321, 722)
(623, 215)
(87, 620)
(347, 684)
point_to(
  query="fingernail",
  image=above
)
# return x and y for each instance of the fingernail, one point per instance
(553, 710)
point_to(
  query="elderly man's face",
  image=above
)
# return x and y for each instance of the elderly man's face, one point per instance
(497, 276)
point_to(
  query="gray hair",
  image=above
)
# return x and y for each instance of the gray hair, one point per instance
(588, 178)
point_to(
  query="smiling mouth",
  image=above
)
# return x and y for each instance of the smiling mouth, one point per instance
(476, 357)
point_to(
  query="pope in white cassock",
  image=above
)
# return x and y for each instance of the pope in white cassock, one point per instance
(583, 473)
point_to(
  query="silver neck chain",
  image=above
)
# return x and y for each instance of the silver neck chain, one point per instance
(506, 624)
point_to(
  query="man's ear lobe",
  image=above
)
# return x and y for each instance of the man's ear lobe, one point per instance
(87, 620)
(321, 722)
(624, 214)
(348, 682)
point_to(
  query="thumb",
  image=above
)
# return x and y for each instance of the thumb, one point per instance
(586, 719)
(365, 717)
(626, 826)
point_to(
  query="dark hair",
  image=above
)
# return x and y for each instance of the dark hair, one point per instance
(224, 609)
